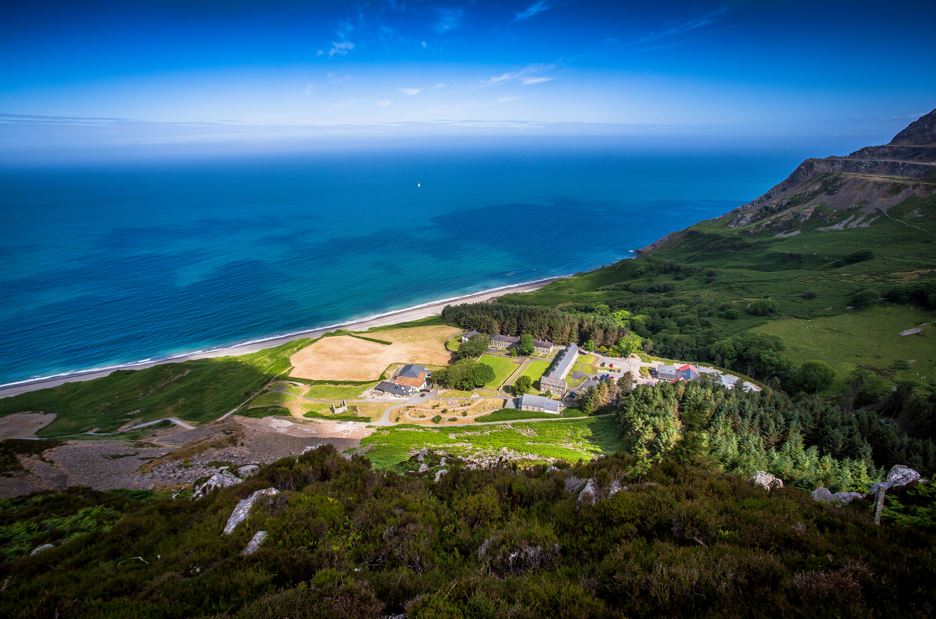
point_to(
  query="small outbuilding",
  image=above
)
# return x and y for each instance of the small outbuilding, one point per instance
(539, 404)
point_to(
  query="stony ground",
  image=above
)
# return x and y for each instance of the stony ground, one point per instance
(173, 457)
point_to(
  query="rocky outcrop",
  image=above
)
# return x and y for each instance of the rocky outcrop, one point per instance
(248, 470)
(589, 494)
(824, 495)
(222, 479)
(872, 179)
(254, 544)
(243, 508)
(766, 481)
(41, 548)
(898, 476)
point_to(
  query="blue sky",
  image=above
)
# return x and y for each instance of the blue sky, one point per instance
(194, 71)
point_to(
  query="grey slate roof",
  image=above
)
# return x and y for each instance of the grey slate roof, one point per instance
(509, 339)
(412, 371)
(538, 401)
(393, 389)
(563, 363)
(542, 344)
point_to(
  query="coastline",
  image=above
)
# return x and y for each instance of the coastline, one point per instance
(406, 314)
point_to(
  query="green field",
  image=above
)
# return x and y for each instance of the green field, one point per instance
(337, 391)
(512, 414)
(502, 366)
(570, 440)
(867, 338)
(534, 369)
(196, 391)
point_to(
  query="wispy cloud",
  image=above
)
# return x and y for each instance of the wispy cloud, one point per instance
(308, 90)
(505, 99)
(540, 6)
(448, 19)
(694, 23)
(409, 92)
(340, 48)
(336, 78)
(440, 85)
(383, 103)
(528, 75)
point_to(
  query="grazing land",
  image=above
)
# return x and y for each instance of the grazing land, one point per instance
(349, 358)
(196, 391)
(866, 338)
(570, 440)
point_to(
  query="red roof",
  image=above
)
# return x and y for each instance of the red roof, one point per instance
(687, 367)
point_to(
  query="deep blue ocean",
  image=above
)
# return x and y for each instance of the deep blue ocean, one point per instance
(114, 262)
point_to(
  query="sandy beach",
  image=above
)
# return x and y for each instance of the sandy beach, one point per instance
(388, 318)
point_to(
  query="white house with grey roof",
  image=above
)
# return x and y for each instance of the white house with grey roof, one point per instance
(539, 404)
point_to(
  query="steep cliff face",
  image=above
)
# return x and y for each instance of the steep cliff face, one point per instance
(848, 192)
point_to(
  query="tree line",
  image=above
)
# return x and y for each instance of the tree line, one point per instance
(547, 323)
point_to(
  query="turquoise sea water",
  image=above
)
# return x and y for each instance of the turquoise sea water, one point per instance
(110, 263)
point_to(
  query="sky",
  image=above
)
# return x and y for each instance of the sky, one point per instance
(280, 72)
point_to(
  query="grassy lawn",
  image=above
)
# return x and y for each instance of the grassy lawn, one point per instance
(535, 370)
(512, 414)
(570, 440)
(196, 391)
(502, 366)
(337, 391)
(865, 338)
(584, 363)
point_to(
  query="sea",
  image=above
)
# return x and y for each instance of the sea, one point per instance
(117, 261)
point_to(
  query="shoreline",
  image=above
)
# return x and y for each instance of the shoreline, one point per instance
(406, 314)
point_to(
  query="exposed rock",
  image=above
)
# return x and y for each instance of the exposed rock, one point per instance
(41, 548)
(439, 474)
(766, 481)
(221, 479)
(551, 469)
(421, 454)
(589, 494)
(614, 487)
(824, 495)
(898, 476)
(255, 542)
(248, 470)
(423, 467)
(847, 497)
(243, 507)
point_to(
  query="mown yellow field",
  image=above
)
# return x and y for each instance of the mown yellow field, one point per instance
(344, 358)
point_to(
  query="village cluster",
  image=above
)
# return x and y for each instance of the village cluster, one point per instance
(565, 380)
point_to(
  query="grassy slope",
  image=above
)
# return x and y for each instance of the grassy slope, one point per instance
(196, 391)
(572, 440)
(734, 268)
(855, 339)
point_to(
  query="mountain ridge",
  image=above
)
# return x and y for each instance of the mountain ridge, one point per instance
(836, 193)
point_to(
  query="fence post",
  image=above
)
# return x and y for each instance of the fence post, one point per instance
(879, 505)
